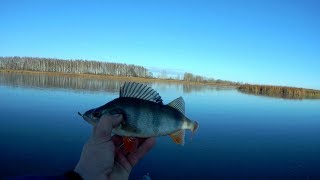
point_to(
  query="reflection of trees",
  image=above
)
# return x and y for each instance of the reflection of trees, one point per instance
(64, 82)
(189, 88)
(84, 84)
(164, 86)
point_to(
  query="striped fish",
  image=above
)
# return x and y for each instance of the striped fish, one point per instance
(145, 115)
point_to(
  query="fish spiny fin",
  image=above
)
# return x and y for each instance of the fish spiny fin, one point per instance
(178, 104)
(130, 143)
(178, 137)
(140, 91)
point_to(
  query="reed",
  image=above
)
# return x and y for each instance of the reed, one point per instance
(280, 91)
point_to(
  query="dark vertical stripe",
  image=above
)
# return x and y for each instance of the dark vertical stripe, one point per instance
(156, 118)
(136, 116)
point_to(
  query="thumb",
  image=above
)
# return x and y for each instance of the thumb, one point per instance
(105, 125)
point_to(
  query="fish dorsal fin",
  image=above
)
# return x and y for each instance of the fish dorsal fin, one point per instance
(178, 104)
(178, 137)
(140, 91)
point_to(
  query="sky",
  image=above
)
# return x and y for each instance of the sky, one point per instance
(250, 41)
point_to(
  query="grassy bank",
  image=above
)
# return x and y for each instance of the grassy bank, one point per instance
(280, 91)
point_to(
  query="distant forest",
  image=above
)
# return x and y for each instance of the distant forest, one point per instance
(280, 91)
(72, 66)
(128, 70)
(93, 67)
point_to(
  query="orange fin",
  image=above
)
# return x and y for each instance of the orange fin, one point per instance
(178, 137)
(130, 143)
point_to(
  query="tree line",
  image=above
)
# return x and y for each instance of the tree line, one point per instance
(73, 66)
(280, 91)
(93, 67)
(197, 78)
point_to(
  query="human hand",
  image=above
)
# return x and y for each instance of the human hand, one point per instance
(125, 161)
(103, 157)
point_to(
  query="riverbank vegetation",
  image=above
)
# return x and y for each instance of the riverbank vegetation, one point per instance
(129, 72)
(280, 91)
(92, 67)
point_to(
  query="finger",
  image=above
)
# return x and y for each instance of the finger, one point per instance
(105, 125)
(122, 160)
(134, 157)
(117, 140)
(141, 140)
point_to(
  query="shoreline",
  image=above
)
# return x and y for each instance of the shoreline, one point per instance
(257, 90)
(121, 78)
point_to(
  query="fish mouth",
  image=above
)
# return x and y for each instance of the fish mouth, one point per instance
(87, 118)
(80, 114)
(84, 116)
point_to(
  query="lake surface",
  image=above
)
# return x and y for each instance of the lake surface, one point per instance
(239, 134)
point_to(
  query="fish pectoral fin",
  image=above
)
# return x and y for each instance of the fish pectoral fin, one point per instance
(130, 143)
(178, 137)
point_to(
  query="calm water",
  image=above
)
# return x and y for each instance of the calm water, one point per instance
(239, 135)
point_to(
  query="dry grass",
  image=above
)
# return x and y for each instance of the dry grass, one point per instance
(280, 91)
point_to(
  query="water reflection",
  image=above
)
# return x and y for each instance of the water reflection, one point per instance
(238, 134)
(81, 84)
(63, 82)
(189, 88)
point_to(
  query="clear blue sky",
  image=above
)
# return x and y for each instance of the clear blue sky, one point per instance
(255, 41)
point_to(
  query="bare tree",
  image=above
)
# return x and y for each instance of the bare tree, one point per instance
(72, 66)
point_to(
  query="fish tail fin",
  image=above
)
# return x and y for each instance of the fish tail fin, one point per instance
(194, 128)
